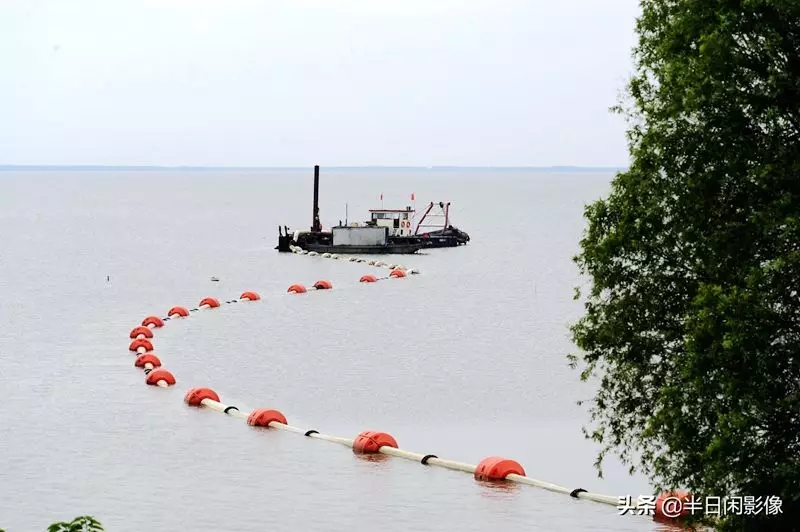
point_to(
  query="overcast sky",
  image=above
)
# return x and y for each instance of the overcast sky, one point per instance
(301, 82)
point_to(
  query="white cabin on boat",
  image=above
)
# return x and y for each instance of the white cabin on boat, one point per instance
(398, 221)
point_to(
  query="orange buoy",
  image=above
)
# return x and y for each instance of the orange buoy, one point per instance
(497, 468)
(397, 273)
(147, 358)
(178, 311)
(262, 417)
(210, 301)
(140, 343)
(250, 296)
(153, 321)
(323, 285)
(368, 279)
(158, 376)
(195, 396)
(141, 330)
(297, 289)
(671, 506)
(370, 442)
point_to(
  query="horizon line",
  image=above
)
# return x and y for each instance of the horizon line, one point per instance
(12, 167)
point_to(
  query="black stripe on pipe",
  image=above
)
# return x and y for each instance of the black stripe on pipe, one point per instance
(427, 457)
(229, 408)
(310, 432)
(574, 493)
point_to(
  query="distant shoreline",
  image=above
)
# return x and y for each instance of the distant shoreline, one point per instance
(95, 168)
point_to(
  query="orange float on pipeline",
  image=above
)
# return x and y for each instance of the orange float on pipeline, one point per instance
(297, 289)
(250, 296)
(368, 279)
(323, 285)
(141, 332)
(160, 377)
(140, 345)
(262, 417)
(497, 468)
(152, 321)
(209, 302)
(371, 441)
(178, 311)
(147, 361)
(195, 396)
(671, 506)
(399, 274)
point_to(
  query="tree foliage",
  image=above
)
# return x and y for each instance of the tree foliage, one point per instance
(85, 523)
(692, 320)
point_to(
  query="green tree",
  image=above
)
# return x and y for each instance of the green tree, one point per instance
(84, 523)
(691, 326)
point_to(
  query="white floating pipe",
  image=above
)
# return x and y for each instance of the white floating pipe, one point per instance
(141, 349)
(162, 383)
(280, 426)
(408, 455)
(596, 497)
(417, 457)
(140, 336)
(204, 306)
(347, 442)
(538, 483)
(219, 407)
(148, 366)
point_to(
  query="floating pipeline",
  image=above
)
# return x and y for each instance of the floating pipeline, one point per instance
(491, 469)
(142, 335)
(344, 258)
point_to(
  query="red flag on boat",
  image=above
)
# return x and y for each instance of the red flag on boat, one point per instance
(412, 196)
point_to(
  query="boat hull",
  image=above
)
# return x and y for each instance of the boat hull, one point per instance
(391, 249)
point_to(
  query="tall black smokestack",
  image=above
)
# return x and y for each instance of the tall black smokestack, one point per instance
(316, 226)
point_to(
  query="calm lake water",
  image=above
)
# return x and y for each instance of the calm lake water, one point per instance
(464, 361)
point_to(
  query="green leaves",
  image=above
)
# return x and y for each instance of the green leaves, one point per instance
(692, 319)
(84, 523)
